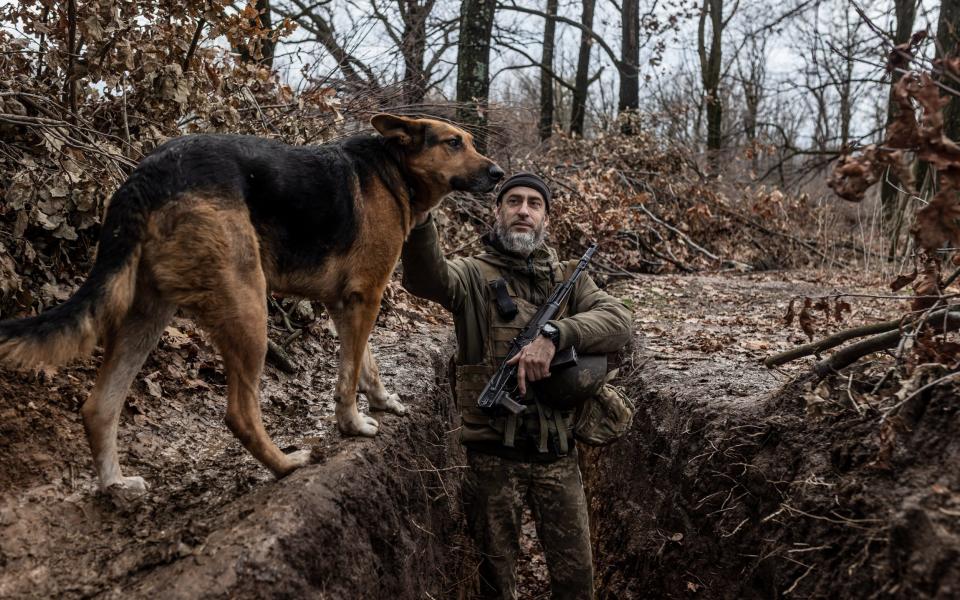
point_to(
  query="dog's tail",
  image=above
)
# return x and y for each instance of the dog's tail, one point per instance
(73, 328)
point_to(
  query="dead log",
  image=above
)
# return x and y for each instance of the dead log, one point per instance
(941, 321)
(826, 343)
(839, 337)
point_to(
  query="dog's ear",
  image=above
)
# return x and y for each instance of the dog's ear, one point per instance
(404, 130)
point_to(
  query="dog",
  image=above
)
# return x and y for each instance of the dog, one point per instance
(212, 224)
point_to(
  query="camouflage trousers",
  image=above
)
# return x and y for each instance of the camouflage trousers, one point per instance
(494, 491)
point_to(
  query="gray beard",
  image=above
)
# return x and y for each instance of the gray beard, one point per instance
(520, 242)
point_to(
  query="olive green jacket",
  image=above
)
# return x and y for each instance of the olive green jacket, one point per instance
(597, 322)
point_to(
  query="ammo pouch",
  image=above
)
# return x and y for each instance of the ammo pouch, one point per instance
(605, 417)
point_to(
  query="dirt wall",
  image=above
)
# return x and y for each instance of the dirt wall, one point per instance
(372, 518)
(733, 484)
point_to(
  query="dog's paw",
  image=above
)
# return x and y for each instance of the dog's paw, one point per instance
(298, 459)
(363, 426)
(127, 489)
(391, 405)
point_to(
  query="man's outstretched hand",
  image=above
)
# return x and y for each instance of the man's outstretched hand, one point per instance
(533, 362)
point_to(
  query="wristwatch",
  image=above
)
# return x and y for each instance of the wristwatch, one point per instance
(550, 331)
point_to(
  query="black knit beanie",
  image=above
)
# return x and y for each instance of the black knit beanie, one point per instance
(525, 180)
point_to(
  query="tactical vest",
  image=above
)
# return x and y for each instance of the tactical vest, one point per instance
(537, 422)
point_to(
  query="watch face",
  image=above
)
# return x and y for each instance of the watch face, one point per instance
(551, 332)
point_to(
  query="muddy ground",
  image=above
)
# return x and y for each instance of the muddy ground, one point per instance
(729, 485)
(371, 517)
(738, 482)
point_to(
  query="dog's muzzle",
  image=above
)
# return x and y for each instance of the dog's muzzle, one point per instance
(483, 181)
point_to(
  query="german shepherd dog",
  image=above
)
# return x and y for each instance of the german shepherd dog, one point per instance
(210, 224)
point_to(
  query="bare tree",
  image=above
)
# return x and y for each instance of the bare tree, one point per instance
(906, 12)
(420, 39)
(629, 61)
(546, 71)
(582, 81)
(316, 19)
(751, 74)
(711, 60)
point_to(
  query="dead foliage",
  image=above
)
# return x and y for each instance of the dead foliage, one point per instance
(84, 96)
(650, 208)
(923, 334)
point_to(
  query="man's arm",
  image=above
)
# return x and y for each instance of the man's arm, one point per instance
(427, 273)
(599, 323)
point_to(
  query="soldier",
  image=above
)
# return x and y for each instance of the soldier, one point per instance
(531, 457)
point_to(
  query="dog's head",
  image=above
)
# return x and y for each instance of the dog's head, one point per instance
(439, 155)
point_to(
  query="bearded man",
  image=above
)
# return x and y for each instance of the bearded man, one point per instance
(529, 458)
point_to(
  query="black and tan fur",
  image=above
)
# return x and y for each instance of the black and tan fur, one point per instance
(210, 224)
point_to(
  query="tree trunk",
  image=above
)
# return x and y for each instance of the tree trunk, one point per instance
(414, 48)
(906, 11)
(473, 64)
(546, 78)
(710, 63)
(579, 108)
(630, 65)
(260, 50)
(948, 36)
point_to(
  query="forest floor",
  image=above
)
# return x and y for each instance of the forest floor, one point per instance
(733, 482)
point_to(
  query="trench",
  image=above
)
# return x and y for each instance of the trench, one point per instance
(727, 486)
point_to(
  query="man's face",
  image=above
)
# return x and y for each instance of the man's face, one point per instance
(521, 220)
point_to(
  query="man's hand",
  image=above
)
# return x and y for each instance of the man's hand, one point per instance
(533, 362)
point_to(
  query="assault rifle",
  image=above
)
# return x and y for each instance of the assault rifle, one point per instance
(504, 380)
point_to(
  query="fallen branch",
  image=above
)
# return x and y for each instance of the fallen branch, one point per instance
(829, 342)
(839, 337)
(686, 239)
(277, 356)
(941, 321)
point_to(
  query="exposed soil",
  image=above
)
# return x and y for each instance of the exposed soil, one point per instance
(730, 485)
(373, 517)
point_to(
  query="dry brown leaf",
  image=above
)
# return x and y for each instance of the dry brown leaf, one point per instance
(903, 281)
(938, 223)
(806, 319)
(927, 285)
(840, 307)
(788, 318)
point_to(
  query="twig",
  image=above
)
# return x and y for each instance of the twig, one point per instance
(278, 357)
(686, 239)
(799, 579)
(193, 43)
(850, 396)
(291, 337)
